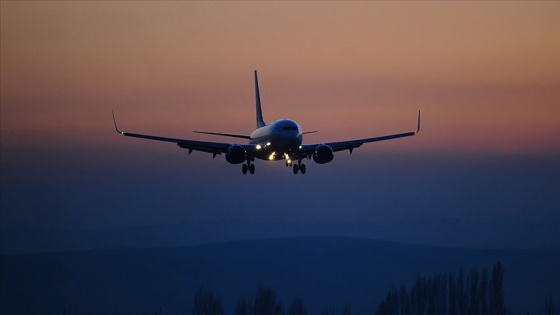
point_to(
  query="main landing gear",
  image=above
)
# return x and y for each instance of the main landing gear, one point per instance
(299, 168)
(248, 167)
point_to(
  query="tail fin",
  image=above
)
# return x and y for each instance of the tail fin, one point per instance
(260, 120)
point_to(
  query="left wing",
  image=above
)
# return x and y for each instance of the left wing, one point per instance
(352, 144)
(210, 147)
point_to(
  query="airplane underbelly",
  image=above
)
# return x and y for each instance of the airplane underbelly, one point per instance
(278, 148)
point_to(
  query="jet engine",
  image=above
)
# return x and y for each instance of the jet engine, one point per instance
(323, 154)
(235, 154)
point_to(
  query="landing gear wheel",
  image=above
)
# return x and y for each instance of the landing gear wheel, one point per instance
(252, 169)
(296, 168)
(302, 168)
(244, 169)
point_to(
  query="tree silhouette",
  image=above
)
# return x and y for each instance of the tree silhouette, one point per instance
(474, 305)
(244, 307)
(329, 312)
(496, 306)
(549, 308)
(461, 294)
(266, 304)
(474, 293)
(441, 294)
(452, 310)
(482, 292)
(205, 303)
(449, 294)
(297, 308)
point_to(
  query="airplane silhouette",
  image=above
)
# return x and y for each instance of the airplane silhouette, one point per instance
(279, 140)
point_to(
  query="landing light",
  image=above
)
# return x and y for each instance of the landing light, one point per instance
(300, 146)
(272, 156)
(268, 143)
(259, 147)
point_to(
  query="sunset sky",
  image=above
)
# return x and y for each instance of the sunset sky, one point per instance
(486, 76)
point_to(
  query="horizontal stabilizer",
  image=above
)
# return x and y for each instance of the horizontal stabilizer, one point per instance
(233, 135)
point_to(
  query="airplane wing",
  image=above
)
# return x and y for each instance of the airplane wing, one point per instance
(350, 145)
(192, 145)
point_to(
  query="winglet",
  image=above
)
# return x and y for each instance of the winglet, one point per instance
(260, 120)
(418, 129)
(115, 121)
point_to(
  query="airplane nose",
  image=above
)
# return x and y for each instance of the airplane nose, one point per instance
(292, 141)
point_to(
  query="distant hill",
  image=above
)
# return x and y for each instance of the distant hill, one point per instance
(326, 272)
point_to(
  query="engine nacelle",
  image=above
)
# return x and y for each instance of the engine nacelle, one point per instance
(323, 154)
(235, 154)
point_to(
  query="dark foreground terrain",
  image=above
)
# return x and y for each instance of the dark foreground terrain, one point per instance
(328, 273)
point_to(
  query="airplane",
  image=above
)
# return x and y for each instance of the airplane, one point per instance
(279, 140)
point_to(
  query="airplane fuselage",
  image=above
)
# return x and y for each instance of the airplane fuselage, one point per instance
(277, 140)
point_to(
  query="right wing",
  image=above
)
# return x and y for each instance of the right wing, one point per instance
(203, 146)
(350, 145)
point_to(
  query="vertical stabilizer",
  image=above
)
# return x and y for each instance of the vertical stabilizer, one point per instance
(260, 120)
